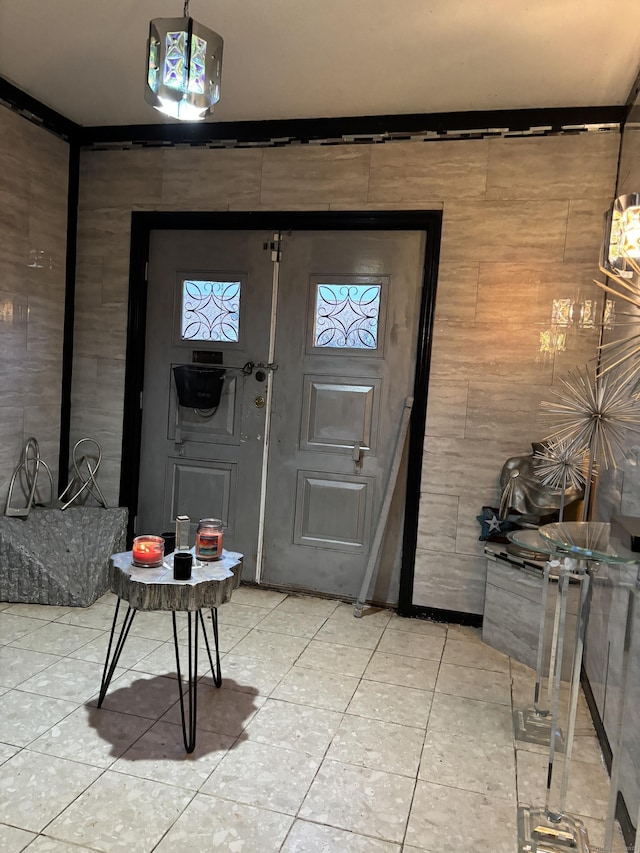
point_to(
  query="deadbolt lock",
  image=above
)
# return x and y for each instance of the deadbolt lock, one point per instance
(259, 402)
(260, 375)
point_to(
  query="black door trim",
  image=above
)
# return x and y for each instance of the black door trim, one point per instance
(73, 191)
(142, 223)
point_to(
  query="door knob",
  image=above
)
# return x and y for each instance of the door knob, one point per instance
(259, 402)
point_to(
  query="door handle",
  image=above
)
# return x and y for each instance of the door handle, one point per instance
(358, 452)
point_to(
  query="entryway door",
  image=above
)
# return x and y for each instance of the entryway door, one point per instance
(318, 349)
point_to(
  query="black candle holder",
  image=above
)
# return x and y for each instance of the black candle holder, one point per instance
(182, 564)
(169, 542)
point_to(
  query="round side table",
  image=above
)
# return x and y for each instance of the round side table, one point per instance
(210, 585)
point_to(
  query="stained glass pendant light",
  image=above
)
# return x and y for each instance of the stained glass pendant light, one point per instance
(184, 67)
(622, 253)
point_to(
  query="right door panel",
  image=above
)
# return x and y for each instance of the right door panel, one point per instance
(348, 311)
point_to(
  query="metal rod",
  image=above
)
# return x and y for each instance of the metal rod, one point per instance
(583, 618)
(587, 485)
(554, 647)
(563, 586)
(267, 410)
(214, 620)
(188, 724)
(109, 668)
(381, 527)
(193, 679)
(562, 494)
(215, 669)
(541, 635)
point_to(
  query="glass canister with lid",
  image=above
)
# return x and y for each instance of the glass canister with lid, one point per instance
(209, 539)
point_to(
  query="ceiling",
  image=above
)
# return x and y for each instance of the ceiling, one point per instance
(325, 58)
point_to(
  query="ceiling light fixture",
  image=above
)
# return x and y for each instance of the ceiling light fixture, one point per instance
(623, 233)
(620, 263)
(184, 67)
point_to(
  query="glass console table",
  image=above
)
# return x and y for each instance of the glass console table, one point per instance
(575, 551)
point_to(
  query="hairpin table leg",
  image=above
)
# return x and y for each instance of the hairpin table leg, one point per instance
(109, 667)
(192, 680)
(215, 670)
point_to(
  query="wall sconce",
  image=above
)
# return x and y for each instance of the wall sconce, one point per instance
(184, 67)
(620, 263)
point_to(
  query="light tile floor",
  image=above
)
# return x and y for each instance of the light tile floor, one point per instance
(378, 735)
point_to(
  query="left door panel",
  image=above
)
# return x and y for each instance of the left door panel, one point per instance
(208, 299)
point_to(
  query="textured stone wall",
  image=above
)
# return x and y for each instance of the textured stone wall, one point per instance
(522, 226)
(33, 229)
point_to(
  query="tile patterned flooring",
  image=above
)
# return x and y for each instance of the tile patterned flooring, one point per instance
(378, 735)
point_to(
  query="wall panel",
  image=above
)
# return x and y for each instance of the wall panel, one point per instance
(33, 222)
(522, 223)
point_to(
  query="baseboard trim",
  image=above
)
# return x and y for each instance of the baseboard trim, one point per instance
(436, 614)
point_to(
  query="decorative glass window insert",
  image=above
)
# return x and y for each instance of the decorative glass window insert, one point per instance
(197, 64)
(175, 62)
(346, 316)
(152, 77)
(210, 311)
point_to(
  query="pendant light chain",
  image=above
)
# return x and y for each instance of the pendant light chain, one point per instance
(185, 13)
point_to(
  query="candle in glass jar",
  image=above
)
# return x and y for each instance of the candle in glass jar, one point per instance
(148, 551)
(209, 539)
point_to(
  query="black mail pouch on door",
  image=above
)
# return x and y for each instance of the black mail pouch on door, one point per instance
(198, 386)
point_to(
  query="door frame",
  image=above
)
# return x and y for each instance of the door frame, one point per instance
(143, 222)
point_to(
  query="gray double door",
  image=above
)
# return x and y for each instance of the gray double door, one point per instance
(318, 352)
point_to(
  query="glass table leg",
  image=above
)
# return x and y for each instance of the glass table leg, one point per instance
(533, 724)
(550, 828)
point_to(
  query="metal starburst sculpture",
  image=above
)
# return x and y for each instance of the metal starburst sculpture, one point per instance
(594, 412)
(559, 464)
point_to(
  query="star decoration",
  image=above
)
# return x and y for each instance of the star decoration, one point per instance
(494, 523)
